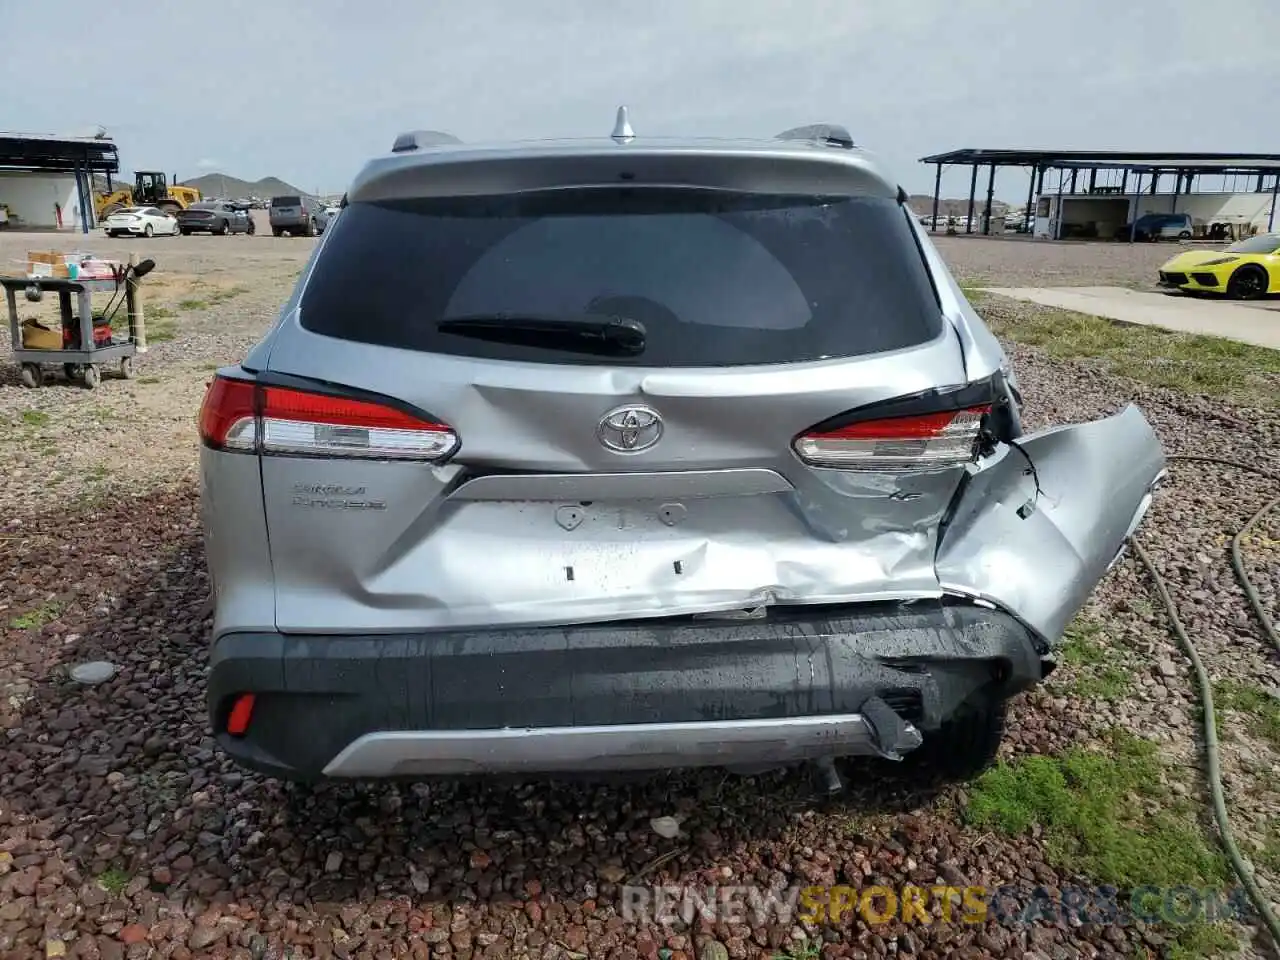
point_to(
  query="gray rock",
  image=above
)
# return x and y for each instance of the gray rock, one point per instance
(93, 672)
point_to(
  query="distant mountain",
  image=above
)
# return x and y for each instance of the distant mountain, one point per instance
(233, 188)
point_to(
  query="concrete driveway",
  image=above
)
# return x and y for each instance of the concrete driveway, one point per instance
(1257, 322)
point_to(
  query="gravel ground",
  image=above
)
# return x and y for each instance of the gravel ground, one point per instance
(123, 833)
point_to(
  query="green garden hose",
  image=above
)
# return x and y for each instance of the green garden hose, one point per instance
(1241, 867)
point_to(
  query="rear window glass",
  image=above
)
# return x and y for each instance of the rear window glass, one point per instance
(715, 278)
(286, 201)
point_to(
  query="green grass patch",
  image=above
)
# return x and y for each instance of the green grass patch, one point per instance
(1213, 366)
(801, 950)
(160, 332)
(193, 304)
(35, 418)
(113, 881)
(148, 381)
(1200, 940)
(1095, 810)
(35, 618)
(1101, 672)
(1262, 710)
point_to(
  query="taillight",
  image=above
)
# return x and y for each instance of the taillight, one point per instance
(228, 419)
(243, 416)
(918, 442)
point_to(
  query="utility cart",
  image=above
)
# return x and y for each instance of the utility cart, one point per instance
(74, 345)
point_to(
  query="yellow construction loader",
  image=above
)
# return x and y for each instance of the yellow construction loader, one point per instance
(150, 189)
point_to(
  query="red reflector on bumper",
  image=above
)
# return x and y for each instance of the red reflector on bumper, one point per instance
(241, 713)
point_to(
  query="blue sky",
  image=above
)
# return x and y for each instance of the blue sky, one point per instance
(308, 89)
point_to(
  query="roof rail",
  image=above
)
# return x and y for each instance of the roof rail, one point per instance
(417, 139)
(831, 134)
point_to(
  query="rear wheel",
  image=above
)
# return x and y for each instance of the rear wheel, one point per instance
(32, 375)
(148, 232)
(964, 746)
(1249, 282)
(224, 228)
(311, 228)
(1185, 235)
(276, 231)
(185, 232)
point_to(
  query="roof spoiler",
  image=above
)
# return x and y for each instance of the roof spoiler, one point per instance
(418, 139)
(829, 134)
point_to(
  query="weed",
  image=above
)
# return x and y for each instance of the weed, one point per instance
(193, 304)
(148, 381)
(113, 881)
(1199, 940)
(1101, 671)
(37, 617)
(1262, 709)
(1190, 363)
(35, 418)
(800, 950)
(160, 333)
(1093, 809)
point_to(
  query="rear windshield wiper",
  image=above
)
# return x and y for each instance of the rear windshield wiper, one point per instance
(586, 333)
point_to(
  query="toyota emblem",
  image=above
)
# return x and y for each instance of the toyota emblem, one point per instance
(630, 429)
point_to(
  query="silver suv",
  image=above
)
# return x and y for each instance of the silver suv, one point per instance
(635, 454)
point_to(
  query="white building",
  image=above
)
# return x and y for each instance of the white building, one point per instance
(46, 182)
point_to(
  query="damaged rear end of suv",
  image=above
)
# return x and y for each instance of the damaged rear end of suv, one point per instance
(616, 455)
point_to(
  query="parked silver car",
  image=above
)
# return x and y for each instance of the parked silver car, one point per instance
(617, 454)
(297, 216)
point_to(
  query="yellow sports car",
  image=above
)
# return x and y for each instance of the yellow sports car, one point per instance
(1244, 271)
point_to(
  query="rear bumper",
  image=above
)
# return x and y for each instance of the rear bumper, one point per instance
(618, 696)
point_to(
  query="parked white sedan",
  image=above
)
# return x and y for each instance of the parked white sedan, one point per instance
(141, 222)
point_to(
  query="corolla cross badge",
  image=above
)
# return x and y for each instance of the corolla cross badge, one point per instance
(630, 429)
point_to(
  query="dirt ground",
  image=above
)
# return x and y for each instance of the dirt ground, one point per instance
(124, 833)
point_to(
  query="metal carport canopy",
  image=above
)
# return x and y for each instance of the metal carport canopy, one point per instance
(80, 156)
(1183, 164)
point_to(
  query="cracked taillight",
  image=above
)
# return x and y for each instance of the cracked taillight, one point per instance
(918, 442)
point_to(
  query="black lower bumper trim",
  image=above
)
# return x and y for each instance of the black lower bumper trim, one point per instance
(315, 696)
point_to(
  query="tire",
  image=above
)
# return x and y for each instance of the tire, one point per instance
(276, 231)
(1249, 282)
(72, 371)
(1185, 235)
(964, 746)
(224, 229)
(112, 234)
(185, 232)
(126, 368)
(32, 375)
(148, 232)
(251, 229)
(311, 228)
(92, 376)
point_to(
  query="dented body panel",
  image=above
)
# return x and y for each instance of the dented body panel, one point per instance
(800, 521)
(1039, 553)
